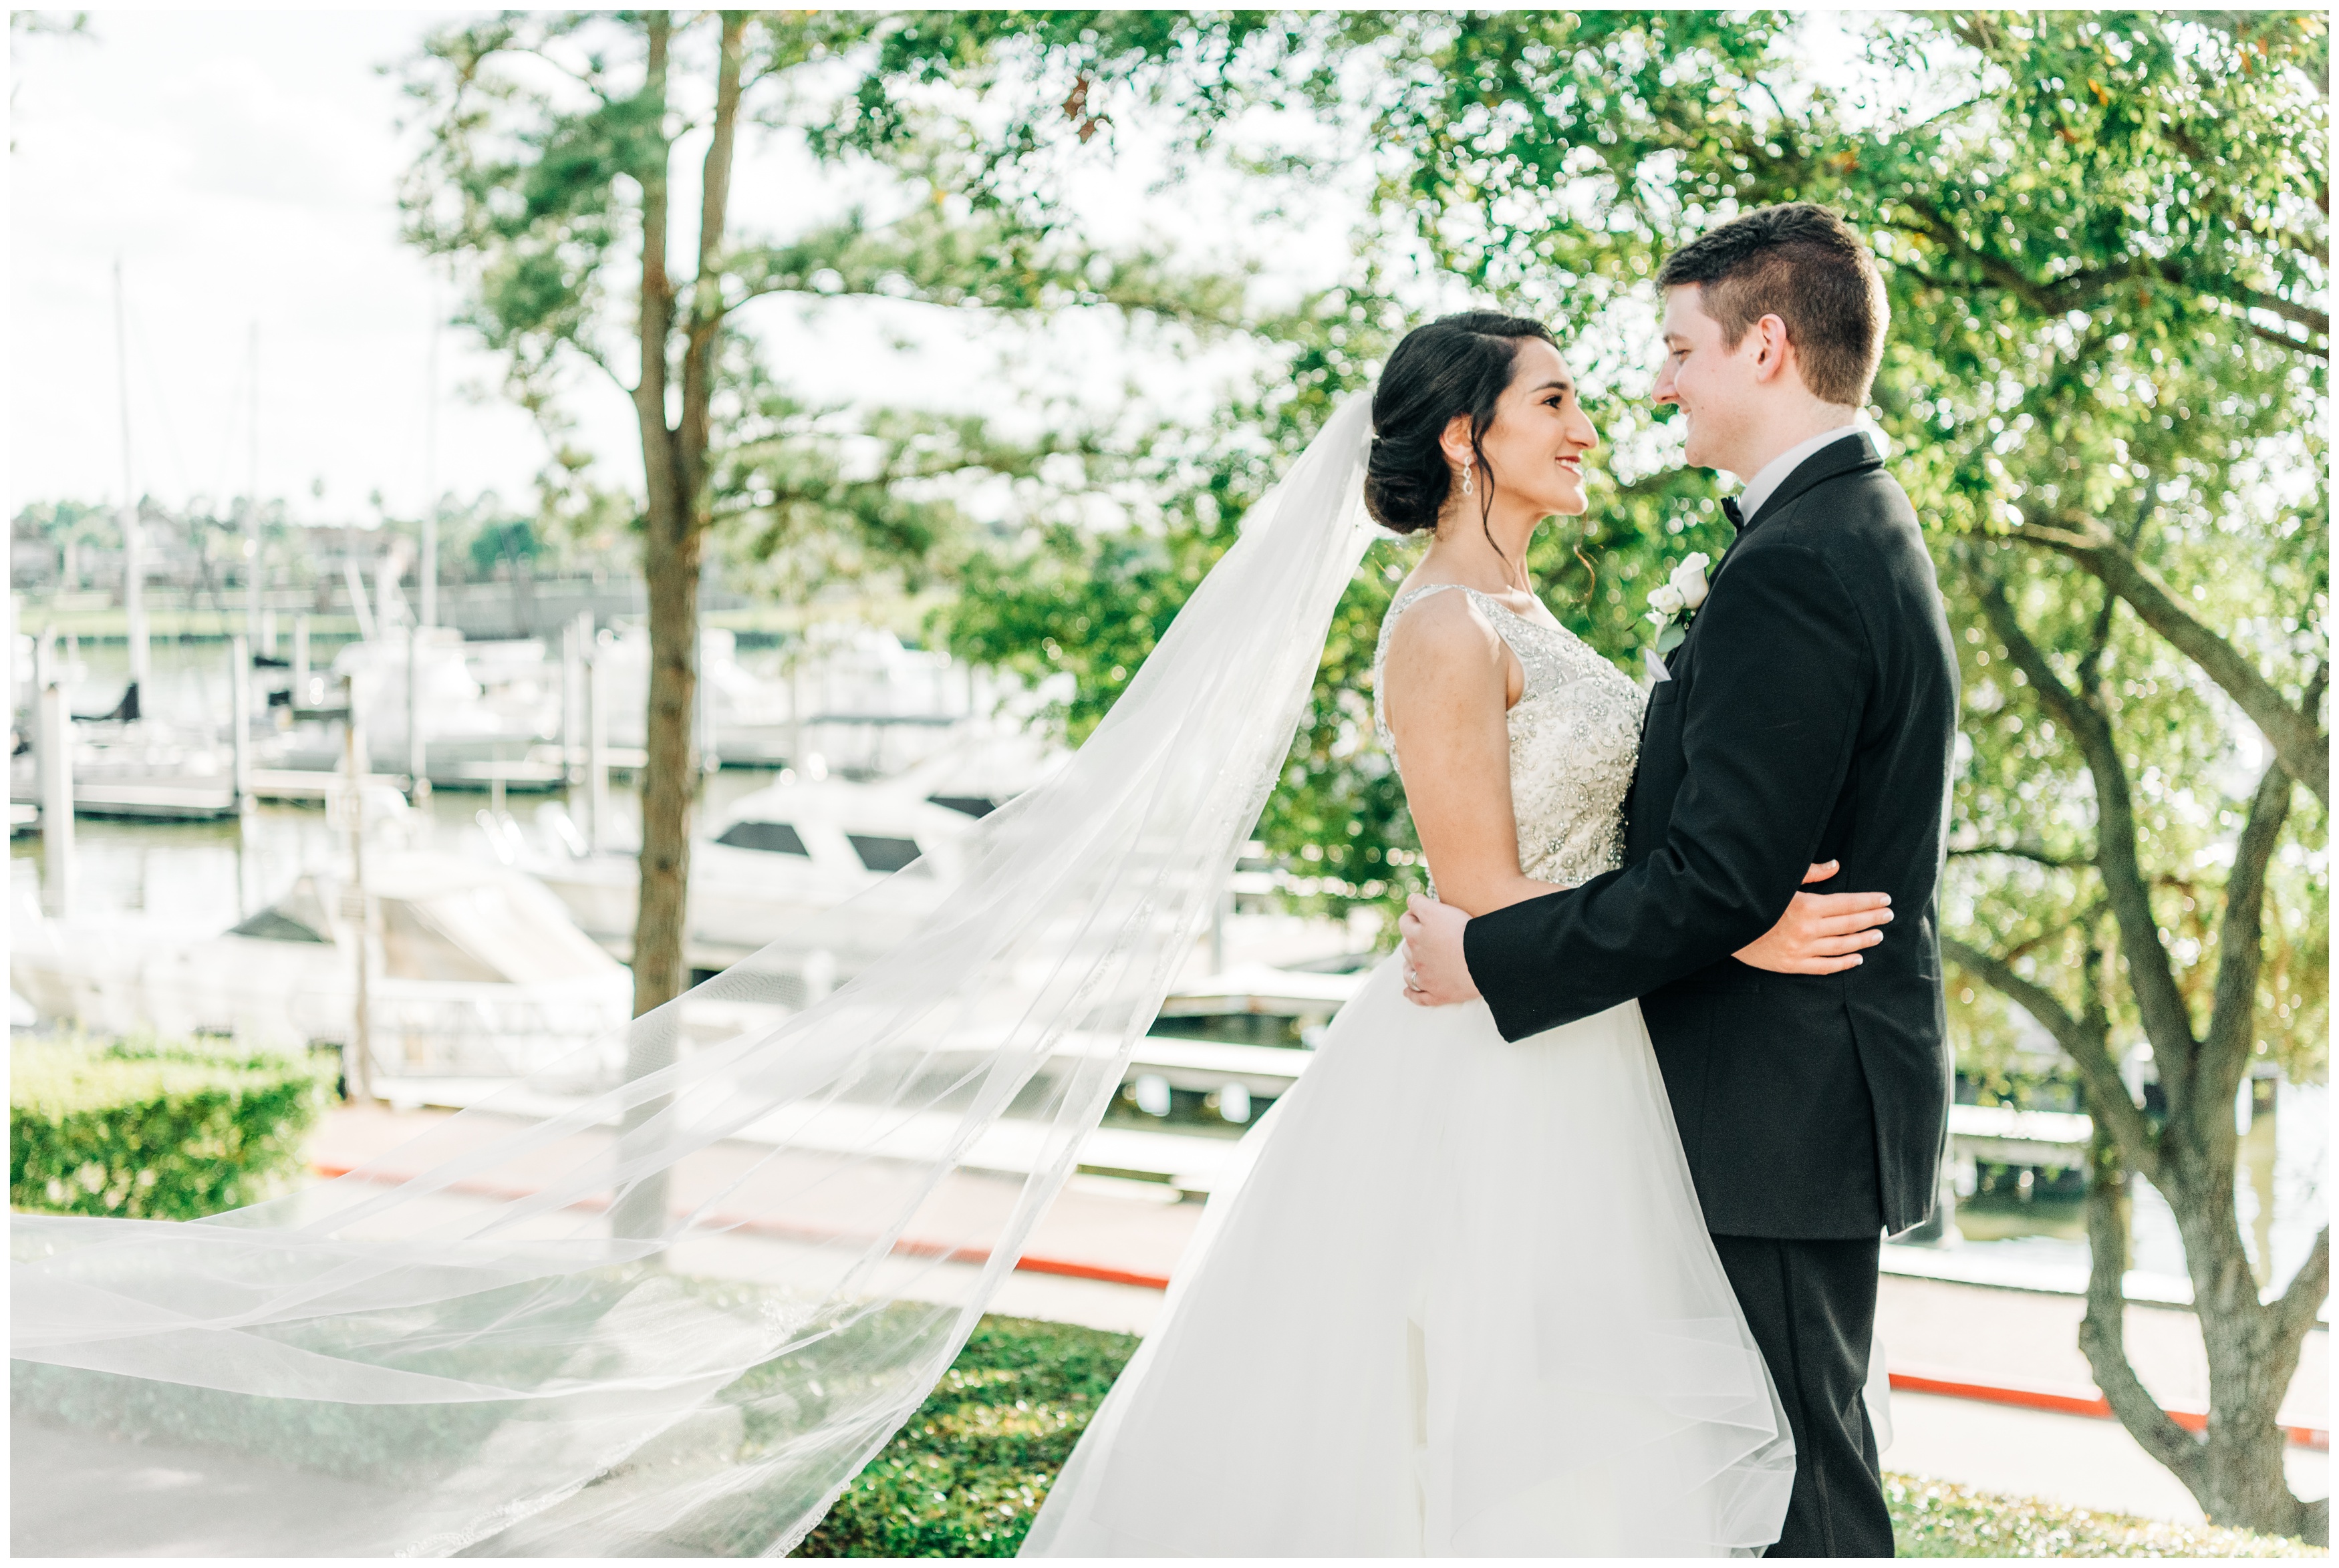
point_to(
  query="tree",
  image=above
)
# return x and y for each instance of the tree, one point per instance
(2114, 264)
(69, 528)
(547, 175)
(2105, 243)
(2105, 238)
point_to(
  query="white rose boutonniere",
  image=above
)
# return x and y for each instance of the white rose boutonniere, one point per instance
(1679, 595)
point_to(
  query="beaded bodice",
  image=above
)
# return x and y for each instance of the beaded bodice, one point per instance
(1576, 736)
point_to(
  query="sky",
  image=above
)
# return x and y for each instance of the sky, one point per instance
(240, 168)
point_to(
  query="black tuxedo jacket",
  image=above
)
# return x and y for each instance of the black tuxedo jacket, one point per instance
(1811, 716)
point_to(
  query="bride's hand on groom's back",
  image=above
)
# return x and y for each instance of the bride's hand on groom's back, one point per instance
(1821, 933)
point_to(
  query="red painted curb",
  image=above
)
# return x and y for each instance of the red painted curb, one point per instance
(909, 1246)
(2060, 1403)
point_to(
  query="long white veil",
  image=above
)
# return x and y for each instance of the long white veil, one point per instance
(492, 1340)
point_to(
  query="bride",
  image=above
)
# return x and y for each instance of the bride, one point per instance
(1464, 1303)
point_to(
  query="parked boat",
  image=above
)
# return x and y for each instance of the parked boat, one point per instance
(468, 727)
(752, 717)
(124, 759)
(810, 864)
(983, 767)
(475, 971)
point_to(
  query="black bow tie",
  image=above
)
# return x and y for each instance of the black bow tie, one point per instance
(1729, 509)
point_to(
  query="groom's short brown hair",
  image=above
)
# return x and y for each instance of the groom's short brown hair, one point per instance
(1805, 265)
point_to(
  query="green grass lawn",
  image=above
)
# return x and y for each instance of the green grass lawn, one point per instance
(966, 1476)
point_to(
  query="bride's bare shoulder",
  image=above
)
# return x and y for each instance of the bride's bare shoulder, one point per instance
(1441, 634)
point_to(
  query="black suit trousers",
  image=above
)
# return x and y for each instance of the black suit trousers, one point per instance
(1812, 1307)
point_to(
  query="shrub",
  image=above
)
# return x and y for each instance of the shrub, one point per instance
(150, 1129)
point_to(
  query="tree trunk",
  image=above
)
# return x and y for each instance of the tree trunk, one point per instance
(2252, 1357)
(2234, 1470)
(671, 565)
(2103, 1331)
(674, 465)
(670, 570)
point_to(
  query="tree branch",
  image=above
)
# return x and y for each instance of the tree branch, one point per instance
(2079, 291)
(2240, 294)
(2297, 740)
(657, 312)
(705, 318)
(2031, 853)
(2159, 1004)
(2294, 1310)
(2241, 946)
(2103, 1331)
(2085, 1044)
(2284, 340)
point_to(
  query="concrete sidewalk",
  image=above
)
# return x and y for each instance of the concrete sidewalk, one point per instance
(1098, 1256)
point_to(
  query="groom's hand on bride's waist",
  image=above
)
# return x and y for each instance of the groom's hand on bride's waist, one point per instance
(1435, 971)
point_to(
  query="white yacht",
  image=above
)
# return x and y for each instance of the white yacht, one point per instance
(752, 718)
(808, 863)
(476, 971)
(466, 725)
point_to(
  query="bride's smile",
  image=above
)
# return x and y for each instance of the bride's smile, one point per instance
(1533, 453)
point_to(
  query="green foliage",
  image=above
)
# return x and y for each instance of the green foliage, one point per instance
(59, 522)
(150, 1129)
(502, 544)
(1939, 1519)
(2105, 240)
(970, 1469)
(548, 142)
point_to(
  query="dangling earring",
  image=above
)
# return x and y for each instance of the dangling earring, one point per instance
(1465, 477)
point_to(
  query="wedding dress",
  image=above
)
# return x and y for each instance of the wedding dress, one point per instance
(1463, 1302)
(508, 1337)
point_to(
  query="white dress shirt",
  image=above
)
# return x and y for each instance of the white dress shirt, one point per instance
(1774, 473)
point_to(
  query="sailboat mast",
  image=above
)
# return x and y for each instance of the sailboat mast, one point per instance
(429, 571)
(253, 573)
(133, 561)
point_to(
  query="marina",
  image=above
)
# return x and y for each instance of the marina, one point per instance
(808, 864)
(480, 566)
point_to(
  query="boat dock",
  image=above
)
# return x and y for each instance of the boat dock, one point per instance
(162, 800)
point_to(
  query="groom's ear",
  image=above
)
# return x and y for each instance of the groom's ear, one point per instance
(1771, 351)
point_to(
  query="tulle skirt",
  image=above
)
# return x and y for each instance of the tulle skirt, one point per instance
(1462, 1303)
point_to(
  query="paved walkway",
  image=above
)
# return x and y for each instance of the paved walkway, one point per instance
(1102, 1234)
(2068, 1459)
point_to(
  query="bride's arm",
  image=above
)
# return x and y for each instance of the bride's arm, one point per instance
(1447, 686)
(1446, 689)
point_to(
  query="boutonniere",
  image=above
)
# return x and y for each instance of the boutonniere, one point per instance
(1675, 603)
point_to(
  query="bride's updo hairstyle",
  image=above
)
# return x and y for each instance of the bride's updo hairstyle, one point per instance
(1457, 364)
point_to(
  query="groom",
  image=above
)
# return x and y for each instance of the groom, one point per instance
(1810, 716)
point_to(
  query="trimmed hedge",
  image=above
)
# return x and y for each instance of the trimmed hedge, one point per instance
(150, 1129)
(966, 1475)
